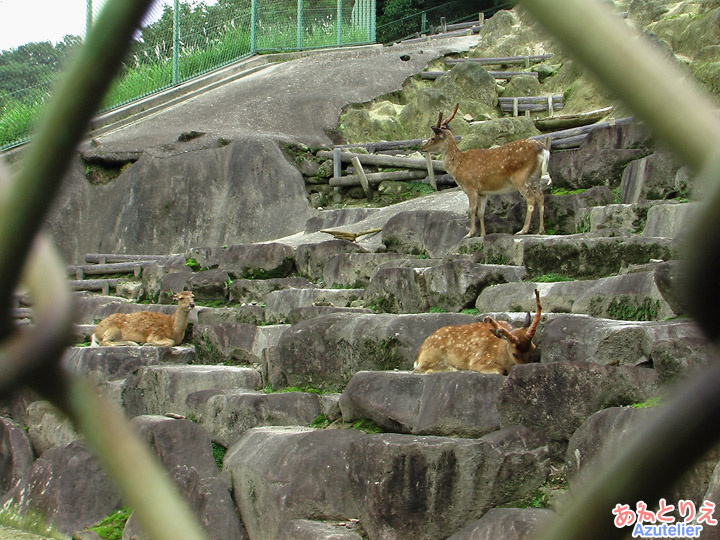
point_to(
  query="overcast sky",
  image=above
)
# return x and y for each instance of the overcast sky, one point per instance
(25, 21)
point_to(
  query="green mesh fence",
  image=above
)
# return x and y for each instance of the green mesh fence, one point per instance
(179, 40)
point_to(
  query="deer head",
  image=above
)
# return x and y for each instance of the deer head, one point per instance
(519, 341)
(185, 300)
(441, 133)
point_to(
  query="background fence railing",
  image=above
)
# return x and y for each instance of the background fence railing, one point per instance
(179, 40)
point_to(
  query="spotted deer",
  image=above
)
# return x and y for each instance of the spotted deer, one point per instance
(516, 166)
(145, 326)
(489, 346)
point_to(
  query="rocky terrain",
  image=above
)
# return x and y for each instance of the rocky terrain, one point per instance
(291, 410)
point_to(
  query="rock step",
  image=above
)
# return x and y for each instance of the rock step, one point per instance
(664, 219)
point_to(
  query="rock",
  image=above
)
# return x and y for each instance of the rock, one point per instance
(300, 314)
(450, 286)
(496, 132)
(578, 255)
(177, 443)
(328, 219)
(670, 220)
(227, 414)
(668, 280)
(255, 290)
(253, 261)
(558, 297)
(554, 399)
(354, 269)
(243, 314)
(461, 404)
(268, 491)
(523, 86)
(67, 486)
(654, 177)
(158, 390)
(310, 259)
(88, 306)
(611, 218)
(601, 436)
(601, 158)
(279, 304)
(327, 351)
(228, 193)
(506, 523)
(17, 455)
(431, 233)
(102, 364)
(675, 348)
(463, 477)
(227, 343)
(47, 428)
(632, 297)
(305, 529)
(153, 275)
(209, 285)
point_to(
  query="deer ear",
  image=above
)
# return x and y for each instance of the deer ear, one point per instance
(526, 324)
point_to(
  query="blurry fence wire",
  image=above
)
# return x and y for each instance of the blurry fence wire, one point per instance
(178, 40)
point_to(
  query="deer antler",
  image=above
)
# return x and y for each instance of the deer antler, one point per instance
(531, 331)
(501, 332)
(439, 123)
(447, 122)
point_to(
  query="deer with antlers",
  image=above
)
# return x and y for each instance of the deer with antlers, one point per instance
(145, 326)
(489, 346)
(516, 166)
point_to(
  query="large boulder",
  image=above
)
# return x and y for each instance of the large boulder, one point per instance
(67, 486)
(506, 523)
(461, 403)
(654, 177)
(326, 352)
(554, 399)
(16, 456)
(310, 259)
(228, 192)
(431, 233)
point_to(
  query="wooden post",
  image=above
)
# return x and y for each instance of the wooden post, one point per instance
(431, 171)
(481, 18)
(515, 106)
(362, 177)
(443, 25)
(337, 163)
(551, 110)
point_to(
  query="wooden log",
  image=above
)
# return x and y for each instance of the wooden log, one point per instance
(363, 178)
(103, 258)
(80, 271)
(571, 120)
(564, 133)
(567, 143)
(516, 107)
(558, 98)
(502, 60)
(474, 30)
(388, 145)
(376, 178)
(385, 161)
(432, 75)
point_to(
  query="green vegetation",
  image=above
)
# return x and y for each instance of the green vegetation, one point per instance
(625, 309)
(308, 389)
(368, 426)
(470, 311)
(321, 422)
(550, 278)
(566, 191)
(31, 521)
(219, 455)
(436, 309)
(649, 403)
(111, 528)
(192, 263)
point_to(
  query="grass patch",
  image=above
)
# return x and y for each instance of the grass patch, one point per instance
(111, 528)
(368, 426)
(550, 278)
(32, 522)
(436, 309)
(219, 452)
(307, 389)
(648, 404)
(566, 191)
(470, 311)
(321, 422)
(192, 263)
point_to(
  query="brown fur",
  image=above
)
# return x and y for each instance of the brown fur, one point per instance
(488, 347)
(145, 326)
(516, 166)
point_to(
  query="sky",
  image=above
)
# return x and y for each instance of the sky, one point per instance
(25, 21)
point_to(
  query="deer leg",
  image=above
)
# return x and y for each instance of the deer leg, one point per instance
(481, 213)
(160, 341)
(541, 203)
(473, 203)
(530, 200)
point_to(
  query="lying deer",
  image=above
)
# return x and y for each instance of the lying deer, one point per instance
(515, 166)
(488, 347)
(145, 326)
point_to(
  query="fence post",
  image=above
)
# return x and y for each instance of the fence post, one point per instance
(176, 42)
(423, 24)
(373, 22)
(253, 26)
(339, 22)
(300, 24)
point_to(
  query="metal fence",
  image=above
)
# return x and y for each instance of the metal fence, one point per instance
(179, 40)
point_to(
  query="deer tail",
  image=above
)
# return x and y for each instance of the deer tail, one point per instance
(544, 159)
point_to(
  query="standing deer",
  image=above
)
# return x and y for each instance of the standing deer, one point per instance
(145, 326)
(515, 166)
(488, 347)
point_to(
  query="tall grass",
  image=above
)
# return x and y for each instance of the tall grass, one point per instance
(148, 72)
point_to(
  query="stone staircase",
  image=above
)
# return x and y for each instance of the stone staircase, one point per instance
(297, 363)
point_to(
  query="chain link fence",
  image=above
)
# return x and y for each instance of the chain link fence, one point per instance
(179, 40)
